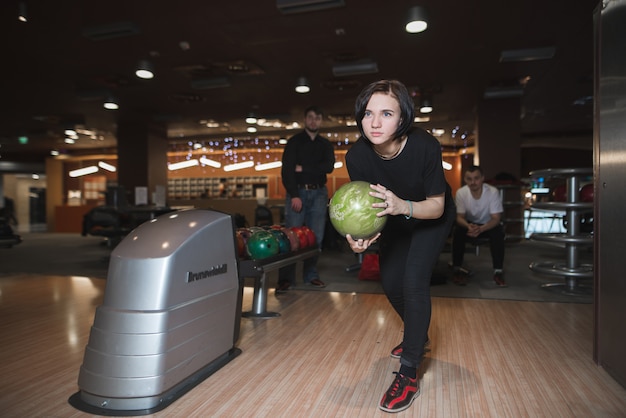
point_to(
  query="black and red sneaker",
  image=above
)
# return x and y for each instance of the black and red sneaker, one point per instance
(498, 277)
(400, 394)
(397, 350)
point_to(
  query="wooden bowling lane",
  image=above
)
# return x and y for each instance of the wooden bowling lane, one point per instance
(43, 332)
(326, 356)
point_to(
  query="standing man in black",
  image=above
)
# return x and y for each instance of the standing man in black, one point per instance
(307, 159)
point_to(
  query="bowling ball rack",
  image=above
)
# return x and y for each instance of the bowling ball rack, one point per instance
(259, 270)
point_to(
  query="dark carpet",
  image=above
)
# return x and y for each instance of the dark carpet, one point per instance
(75, 255)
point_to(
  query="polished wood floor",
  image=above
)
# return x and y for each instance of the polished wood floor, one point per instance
(326, 356)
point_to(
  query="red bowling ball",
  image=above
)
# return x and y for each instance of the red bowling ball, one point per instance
(243, 234)
(310, 236)
(241, 245)
(559, 194)
(304, 240)
(586, 193)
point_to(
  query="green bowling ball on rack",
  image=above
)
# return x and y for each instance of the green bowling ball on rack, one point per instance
(284, 246)
(262, 244)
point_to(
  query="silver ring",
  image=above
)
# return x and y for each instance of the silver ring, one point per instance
(386, 204)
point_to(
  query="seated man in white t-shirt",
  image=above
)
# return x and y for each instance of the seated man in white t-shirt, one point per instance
(478, 215)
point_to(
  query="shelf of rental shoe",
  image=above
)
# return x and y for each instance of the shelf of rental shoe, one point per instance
(195, 187)
(571, 269)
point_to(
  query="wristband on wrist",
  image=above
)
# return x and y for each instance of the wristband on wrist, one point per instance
(410, 215)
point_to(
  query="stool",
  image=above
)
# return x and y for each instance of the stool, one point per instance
(477, 242)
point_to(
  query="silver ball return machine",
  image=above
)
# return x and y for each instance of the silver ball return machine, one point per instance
(171, 312)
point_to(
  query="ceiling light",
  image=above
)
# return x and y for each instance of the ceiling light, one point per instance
(69, 140)
(209, 162)
(446, 165)
(22, 16)
(426, 105)
(111, 104)
(421, 119)
(70, 132)
(238, 166)
(107, 166)
(338, 164)
(145, 70)
(417, 20)
(251, 129)
(251, 118)
(182, 164)
(84, 171)
(268, 166)
(302, 85)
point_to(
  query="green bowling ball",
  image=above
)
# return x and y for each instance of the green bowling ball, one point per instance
(351, 211)
(262, 244)
(284, 246)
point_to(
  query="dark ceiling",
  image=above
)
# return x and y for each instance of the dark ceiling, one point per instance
(59, 66)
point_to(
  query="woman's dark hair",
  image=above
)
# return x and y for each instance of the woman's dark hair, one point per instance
(399, 92)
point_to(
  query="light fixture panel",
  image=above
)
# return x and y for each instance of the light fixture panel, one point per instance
(210, 83)
(531, 54)
(365, 66)
(302, 6)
